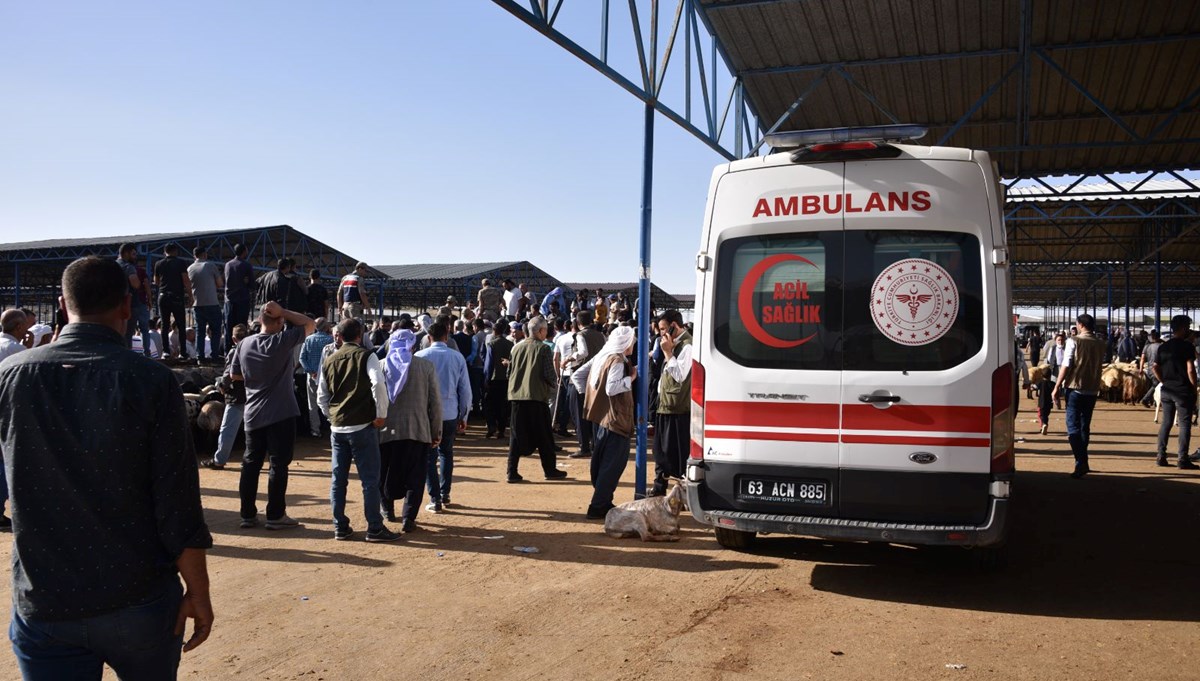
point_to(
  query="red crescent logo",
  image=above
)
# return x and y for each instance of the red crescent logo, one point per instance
(746, 301)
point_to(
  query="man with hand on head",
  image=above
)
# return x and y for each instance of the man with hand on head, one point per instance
(265, 362)
(105, 497)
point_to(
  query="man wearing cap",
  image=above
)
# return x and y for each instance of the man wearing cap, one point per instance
(489, 301)
(206, 278)
(351, 294)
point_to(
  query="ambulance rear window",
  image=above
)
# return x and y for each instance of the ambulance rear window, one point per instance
(778, 301)
(914, 300)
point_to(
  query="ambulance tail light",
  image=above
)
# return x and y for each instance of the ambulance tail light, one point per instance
(697, 423)
(1003, 457)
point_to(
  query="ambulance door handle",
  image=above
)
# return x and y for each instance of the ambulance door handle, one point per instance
(875, 399)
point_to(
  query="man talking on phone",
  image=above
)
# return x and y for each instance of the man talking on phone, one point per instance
(671, 421)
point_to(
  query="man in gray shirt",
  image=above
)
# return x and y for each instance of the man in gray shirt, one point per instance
(266, 363)
(206, 278)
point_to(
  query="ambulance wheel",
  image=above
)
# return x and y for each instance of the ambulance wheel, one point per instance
(988, 558)
(734, 539)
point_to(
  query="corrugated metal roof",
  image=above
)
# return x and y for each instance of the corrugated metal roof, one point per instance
(448, 270)
(928, 62)
(165, 237)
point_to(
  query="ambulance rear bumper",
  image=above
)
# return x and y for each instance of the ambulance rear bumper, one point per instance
(991, 532)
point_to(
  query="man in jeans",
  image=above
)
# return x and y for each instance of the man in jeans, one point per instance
(266, 362)
(353, 395)
(1079, 377)
(455, 385)
(206, 279)
(235, 406)
(105, 497)
(174, 294)
(1175, 367)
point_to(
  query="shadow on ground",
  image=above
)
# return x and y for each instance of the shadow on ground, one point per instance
(1119, 547)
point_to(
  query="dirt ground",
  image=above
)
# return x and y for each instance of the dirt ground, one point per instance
(1099, 585)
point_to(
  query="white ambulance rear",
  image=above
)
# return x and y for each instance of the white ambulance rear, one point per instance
(853, 373)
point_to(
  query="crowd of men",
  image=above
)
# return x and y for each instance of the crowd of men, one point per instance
(220, 297)
(104, 432)
(1073, 361)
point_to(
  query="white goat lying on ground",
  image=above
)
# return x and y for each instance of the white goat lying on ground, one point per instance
(652, 518)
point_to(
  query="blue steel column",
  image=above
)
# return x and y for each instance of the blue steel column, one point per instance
(1127, 298)
(16, 284)
(1109, 320)
(643, 312)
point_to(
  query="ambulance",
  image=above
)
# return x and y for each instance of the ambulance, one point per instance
(853, 373)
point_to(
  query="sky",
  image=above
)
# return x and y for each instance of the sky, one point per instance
(396, 132)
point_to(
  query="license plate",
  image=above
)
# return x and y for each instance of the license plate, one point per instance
(784, 491)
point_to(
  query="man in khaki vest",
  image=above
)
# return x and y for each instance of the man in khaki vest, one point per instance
(672, 420)
(1079, 378)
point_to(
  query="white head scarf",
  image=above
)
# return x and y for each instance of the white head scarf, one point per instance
(618, 342)
(397, 361)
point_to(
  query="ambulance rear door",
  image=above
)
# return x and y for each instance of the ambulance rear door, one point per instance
(772, 354)
(917, 369)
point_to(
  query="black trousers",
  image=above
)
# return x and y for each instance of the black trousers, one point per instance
(168, 307)
(530, 432)
(496, 406)
(671, 443)
(276, 442)
(562, 407)
(403, 466)
(585, 430)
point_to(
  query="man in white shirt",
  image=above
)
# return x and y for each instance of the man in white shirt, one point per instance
(353, 395)
(512, 299)
(13, 325)
(564, 347)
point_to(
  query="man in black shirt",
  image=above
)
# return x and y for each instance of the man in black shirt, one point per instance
(318, 297)
(105, 497)
(174, 294)
(1175, 368)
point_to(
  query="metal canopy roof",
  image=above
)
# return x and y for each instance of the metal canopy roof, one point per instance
(1049, 87)
(423, 285)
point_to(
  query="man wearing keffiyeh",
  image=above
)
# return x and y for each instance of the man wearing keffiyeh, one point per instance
(412, 427)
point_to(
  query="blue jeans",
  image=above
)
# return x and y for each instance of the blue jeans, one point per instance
(1079, 425)
(138, 642)
(139, 321)
(363, 447)
(231, 422)
(439, 485)
(208, 325)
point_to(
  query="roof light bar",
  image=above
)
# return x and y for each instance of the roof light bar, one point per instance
(877, 133)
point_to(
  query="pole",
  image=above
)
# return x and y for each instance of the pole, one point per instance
(643, 311)
(1108, 320)
(16, 284)
(1127, 298)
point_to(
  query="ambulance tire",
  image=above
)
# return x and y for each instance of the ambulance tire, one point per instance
(988, 558)
(734, 539)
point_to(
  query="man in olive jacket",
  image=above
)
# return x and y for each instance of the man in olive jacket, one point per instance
(531, 382)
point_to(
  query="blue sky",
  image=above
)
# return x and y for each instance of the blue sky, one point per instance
(395, 131)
